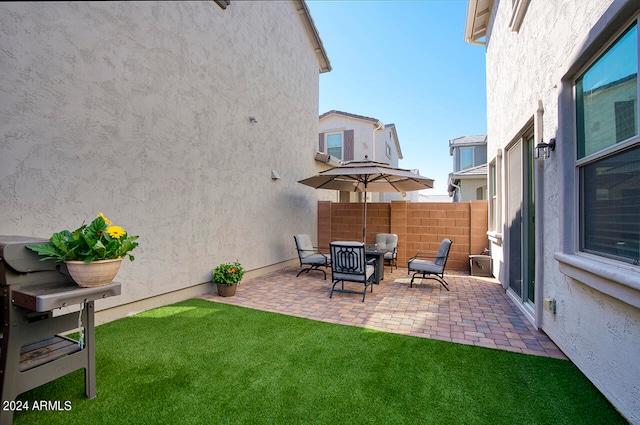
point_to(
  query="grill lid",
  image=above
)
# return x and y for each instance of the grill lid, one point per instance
(14, 253)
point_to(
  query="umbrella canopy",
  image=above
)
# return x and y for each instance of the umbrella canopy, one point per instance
(368, 176)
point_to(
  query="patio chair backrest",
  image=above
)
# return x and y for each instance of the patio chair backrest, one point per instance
(348, 257)
(304, 246)
(443, 252)
(386, 241)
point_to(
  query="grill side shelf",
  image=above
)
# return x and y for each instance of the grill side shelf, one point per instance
(49, 296)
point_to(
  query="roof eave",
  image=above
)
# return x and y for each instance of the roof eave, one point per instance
(314, 36)
(478, 14)
(375, 121)
(396, 140)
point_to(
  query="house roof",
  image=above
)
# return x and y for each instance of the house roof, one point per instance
(312, 32)
(349, 115)
(478, 172)
(470, 173)
(467, 141)
(478, 16)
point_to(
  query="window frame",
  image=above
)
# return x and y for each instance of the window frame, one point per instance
(495, 227)
(461, 151)
(326, 143)
(613, 278)
(616, 148)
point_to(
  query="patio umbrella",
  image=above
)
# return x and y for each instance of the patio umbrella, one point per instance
(368, 176)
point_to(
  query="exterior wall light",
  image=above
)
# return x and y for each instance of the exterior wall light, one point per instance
(543, 150)
(253, 120)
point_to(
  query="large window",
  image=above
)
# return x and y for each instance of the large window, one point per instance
(608, 151)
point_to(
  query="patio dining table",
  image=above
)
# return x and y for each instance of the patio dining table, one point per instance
(379, 256)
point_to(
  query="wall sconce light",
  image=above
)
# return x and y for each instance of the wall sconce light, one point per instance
(275, 175)
(544, 149)
(253, 120)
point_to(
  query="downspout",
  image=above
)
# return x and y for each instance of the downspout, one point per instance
(373, 140)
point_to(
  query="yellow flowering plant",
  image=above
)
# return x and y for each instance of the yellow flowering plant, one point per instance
(100, 240)
(227, 273)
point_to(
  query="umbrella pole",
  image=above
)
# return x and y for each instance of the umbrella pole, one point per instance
(364, 224)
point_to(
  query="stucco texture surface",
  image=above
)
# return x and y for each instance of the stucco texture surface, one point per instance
(140, 110)
(525, 71)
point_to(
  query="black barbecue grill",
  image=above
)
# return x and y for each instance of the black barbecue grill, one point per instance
(34, 348)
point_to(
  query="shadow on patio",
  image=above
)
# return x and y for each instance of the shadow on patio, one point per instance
(476, 311)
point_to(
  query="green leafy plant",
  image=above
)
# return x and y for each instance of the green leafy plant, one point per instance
(100, 240)
(227, 273)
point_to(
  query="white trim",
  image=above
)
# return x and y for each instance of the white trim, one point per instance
(524, 307)
(610, 150)
(495, 237)
(326, 143)
(612, 278)
(324, 65)
(517, 14)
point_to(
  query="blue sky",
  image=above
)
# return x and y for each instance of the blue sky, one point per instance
(406, 63)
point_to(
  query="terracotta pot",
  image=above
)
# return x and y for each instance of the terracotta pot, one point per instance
(226, 291)
(95, 273)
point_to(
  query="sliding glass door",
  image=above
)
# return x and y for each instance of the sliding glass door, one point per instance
(521, 221)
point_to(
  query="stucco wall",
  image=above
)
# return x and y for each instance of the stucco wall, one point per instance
(469, 189)
(140, 110)
(383, 137)
(525, 69)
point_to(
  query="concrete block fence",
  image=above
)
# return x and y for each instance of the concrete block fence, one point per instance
(420, 226)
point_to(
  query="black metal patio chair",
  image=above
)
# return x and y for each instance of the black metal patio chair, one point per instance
(310, 256)
(430, 265)
(349, 264)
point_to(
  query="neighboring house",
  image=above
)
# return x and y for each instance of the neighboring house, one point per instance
(349, 137)
(564, 176)
(187, 123)
(468, 182)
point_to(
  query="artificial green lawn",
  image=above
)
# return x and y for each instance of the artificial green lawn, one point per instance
(201, 362)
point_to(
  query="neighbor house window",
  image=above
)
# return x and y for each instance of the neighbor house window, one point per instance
(388, 150)
(608, 152)
(334, 145)
(466, 158)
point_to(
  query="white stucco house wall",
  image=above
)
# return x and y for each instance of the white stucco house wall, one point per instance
(345, 136)
(565, 221)
(186, 123)
(468, 181)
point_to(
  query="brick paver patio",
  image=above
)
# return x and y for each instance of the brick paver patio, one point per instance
(476, 311)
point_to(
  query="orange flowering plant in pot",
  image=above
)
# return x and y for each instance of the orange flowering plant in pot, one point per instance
(226, 276)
